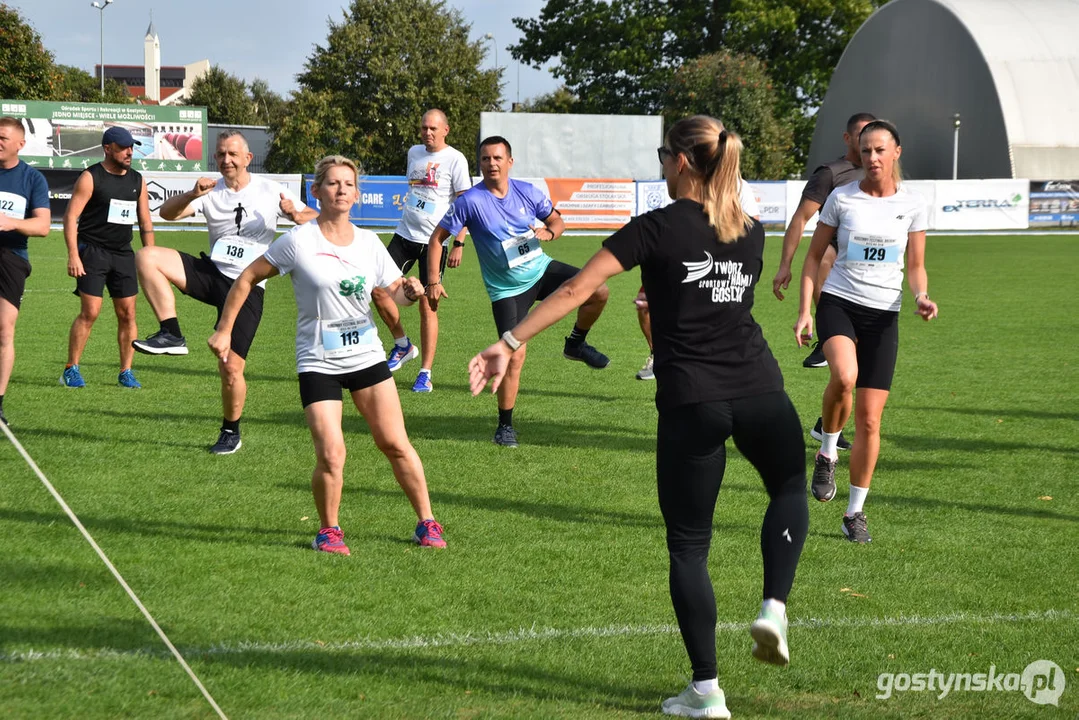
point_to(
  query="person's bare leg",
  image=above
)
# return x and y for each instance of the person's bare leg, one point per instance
(381, 408)
(428, 333)
(80, 328)
(389, 312)
(843, 373)
(867, 416)
(233, 386)
(159, 268)
(327, 479)
(126, 329)
(644, 319)
(590, 311)
(507, 391)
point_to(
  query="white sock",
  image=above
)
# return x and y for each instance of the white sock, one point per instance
(857, 500)
(829, 445)
(401, 342)
(773, 605)
(703, 687)
(426, 370)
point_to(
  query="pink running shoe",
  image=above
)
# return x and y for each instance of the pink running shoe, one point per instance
(429, 534)
(330, 540)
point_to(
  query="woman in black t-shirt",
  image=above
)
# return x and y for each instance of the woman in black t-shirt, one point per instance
(700, 259)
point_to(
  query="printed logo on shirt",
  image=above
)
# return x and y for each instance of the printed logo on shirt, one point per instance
(352, 286)
(430, 177)
(730, 282)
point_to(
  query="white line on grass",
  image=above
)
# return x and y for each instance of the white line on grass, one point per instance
(533, 633)
(108, 563)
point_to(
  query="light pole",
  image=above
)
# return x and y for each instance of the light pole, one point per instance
(101, 35)
(955, 148)
(494, 45)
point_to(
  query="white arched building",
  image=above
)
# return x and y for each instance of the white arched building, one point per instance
(1010, 68)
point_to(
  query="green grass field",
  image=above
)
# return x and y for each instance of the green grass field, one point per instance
(551, 601)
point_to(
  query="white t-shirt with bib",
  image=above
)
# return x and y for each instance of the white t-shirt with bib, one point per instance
(872, 239)
(434, 180)
(335, 329)
(242, 223)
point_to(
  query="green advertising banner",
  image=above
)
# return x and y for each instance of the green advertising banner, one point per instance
(68, 135)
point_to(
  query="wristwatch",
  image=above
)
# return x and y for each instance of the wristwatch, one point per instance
(458, 243)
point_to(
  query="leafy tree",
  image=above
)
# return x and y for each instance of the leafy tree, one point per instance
(384, 63)
(736, 89)
(621, 56)
(266, 104)
(26, 67)
(559, 101)
(224, 97)
(76, 85)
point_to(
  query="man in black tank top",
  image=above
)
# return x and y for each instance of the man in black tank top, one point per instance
(109, 198)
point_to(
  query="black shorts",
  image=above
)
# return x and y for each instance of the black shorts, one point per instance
(316, 387)
(406, 253)
(14, 269)
(512, 310)
(206, 284)
(107, 268)
(875, 333)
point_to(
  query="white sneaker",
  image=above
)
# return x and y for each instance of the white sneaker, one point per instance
(645, 373)
(769, 633)
(690, 703)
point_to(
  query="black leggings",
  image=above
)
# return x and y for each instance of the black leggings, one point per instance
(690, 459)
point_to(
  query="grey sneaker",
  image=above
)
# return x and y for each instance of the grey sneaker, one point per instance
(816, 358)
(823, 485)
(161, 342)
(690, 703)
(769, 633)
(855, 528)
(506, 436)
(645, 373)
(228, 442)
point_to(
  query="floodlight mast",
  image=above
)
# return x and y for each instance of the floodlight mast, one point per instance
(100, 7)
(955, 148)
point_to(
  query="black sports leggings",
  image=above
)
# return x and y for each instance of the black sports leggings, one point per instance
(690, 459)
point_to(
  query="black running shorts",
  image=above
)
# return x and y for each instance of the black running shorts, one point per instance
(14, 269)
(512, 310)
(316, 387)
(406, 253)
(114, 269)
(875, 333)
(206, 284)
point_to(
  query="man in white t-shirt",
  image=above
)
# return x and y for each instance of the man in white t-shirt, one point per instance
(437, 174)
(241, 212)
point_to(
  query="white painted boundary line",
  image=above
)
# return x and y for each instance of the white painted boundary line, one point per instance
(104, 558)
(535, 634)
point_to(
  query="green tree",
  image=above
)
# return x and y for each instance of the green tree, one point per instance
(736, 89)
(384, 63)
(224, 96)
(76, 85)
(559, 101)
(621, 56)
(266, 103)
(27, 71)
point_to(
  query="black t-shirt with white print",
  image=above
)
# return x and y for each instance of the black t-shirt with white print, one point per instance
(706, 344)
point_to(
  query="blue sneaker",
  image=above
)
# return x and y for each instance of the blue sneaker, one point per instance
(72, 378)
(127, 379)
(400, 355)
(423, 382)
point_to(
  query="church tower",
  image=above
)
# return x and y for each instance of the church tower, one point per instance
(152, 60)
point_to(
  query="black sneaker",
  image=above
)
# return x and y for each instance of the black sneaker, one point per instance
(228, 442)
(855, 529)
(585, 353)
(161, 342)
(823, 485)
(817, 433)
(816, 358)
(506, 436)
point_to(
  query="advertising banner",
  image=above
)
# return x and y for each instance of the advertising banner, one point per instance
(382, 200)
(651, 195)
(982, 205)
(61, 185)
(67, 136)
(772, 200)
(1054, 203)
(593, 203)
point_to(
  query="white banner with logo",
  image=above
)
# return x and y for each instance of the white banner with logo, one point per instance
(982, 205)
(772, 200)
(162, 186)
(651, 195)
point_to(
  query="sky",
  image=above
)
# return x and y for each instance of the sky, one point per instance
(268, 39)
